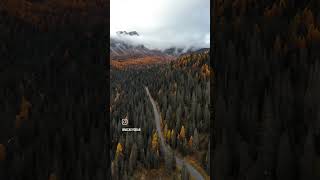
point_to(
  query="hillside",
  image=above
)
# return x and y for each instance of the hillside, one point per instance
(180, 88)
(266, 61)
(124, 50)
(53, 101)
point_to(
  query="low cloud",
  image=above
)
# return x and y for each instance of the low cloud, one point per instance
(163, 23)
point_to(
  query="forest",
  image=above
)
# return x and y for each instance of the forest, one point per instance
(266, 117)
(53, 102)
(181, 89)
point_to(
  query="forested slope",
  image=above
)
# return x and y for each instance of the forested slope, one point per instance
(266, 60)
(181, 89)
(53, 100)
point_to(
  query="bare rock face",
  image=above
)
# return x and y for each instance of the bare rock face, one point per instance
(131, 33)
(58, 13)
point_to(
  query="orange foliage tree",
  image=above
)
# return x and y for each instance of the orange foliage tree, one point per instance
(205, 69)
(307, 17)
(24, 111)
(53, 177)
(274, 11)
(300, 42)
(182, 133)
(190, 143)
(313, 34)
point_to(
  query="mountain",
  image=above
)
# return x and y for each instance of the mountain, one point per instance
(177, 51)
(198, 51)
(173, 51)
(131, 33)
(124, 51)
(121, 50)
(123, 47)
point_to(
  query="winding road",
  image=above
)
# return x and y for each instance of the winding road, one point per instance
(165, 148)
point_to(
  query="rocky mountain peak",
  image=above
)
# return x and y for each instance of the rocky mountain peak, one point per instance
(131, 33)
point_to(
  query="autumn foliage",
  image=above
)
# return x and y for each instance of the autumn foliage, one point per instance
(273, 11)
(24, 112)
(313, 33)
(190, 143)
(53, 177)
(155, 142)
(119, 151)
(182, 133)
(56, 12)
(205, 70)
(140, 62)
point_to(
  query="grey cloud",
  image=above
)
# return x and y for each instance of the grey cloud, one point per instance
(181, 23)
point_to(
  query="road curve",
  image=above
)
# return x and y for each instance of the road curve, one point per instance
(165, 148)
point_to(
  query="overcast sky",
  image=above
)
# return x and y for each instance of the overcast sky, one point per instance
(163, 23)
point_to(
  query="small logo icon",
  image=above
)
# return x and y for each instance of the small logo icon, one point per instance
(124, 122)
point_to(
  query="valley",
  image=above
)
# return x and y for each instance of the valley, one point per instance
(180, 88)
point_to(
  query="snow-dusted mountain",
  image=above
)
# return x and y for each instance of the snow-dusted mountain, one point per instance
(123, 46)
(131, 33)
(121, 50)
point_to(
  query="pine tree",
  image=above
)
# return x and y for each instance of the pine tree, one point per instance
(2, 152)
(174, 139)
(165, 131)
(190, 143)
(128, 144)
(208, 160)
(184, 173)
(196, 140)
(245, 159)
(132, 158)
(148, 159)
(307, 159)
(169, 162)
(285, 167)
(222, 160)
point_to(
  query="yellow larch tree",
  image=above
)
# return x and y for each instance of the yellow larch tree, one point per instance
(168, 135)
(155, 142)
(119, 150)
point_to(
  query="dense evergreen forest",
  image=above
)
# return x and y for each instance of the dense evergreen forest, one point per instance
(266, 62)
(181, 90)
(53, 102)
